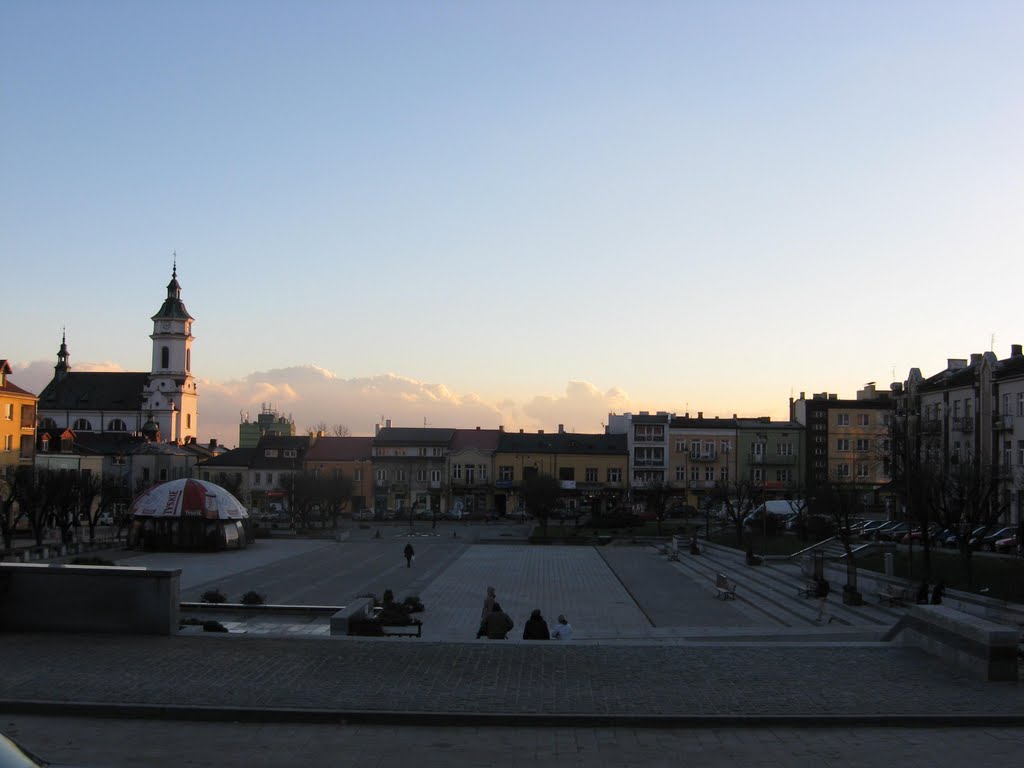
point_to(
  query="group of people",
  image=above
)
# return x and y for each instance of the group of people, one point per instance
(496, 624)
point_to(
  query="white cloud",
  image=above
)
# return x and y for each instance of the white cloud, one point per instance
(310, 395)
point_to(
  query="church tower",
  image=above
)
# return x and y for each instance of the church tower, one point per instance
(60, 370)
(170, 394)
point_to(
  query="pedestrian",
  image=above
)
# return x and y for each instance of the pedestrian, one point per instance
(488, 603)
(922, 593)
(938, 592)
(536, 628)
(821, 591)
(410, 553)
(498, 623)
(562, 630)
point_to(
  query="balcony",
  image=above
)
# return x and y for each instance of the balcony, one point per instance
(703, 455)
(931, 426)
(1002, 421)
(701, 484)
(963, 423)
(786, 459)
(656, 463)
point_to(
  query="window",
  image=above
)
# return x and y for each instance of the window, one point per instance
(45, 443)
(784, 475)
(955, 453)
(956, 409)
(506, 473)
(118, 461)
(117, 425)
(163, 475)
(357, 475)
(8, 442)
(270, 453)
(842, 419)
(758, 475)
(863, 419)
(843, 444)
(421, 475)
(1020, 452)
(695, 474)
(680, 446)
(82, 425)
(435, 475)
(1020, 403)
(863, 471)
(1007, 452)
(843, 470)
(783, 449)
(567, 473)
(401, 475)
(28, 416)
(614, 475)
(270, 478)
(724, 475)
(188, 421)
(648, 433)
(481, 472)
(289, 453)
(863, 444)
(757, 448)
(165, 357)
(709, 474)
(648, 457)
(470, 473)
(726, 446)
(9, 411)
(1006, 404)
(591, 474)
(188, 360)
(695, 447)
(456, 471)
(681, 474)
(382, 475)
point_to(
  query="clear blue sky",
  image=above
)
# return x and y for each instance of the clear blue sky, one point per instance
(683, 205)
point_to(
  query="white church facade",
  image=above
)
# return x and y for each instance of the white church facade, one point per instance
(161, 404)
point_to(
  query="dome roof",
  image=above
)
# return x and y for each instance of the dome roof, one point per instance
(188, 498)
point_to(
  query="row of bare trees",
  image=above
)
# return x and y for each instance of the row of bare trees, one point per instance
(50, 499)
(310, 496)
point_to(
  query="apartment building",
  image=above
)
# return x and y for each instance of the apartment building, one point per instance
(409, 465)
(847, 440)
(591, 469)
(347, 457)
(702, 454)
(17, 422)
(471, 478)
(647, 443)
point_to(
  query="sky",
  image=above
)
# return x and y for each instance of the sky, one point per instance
(525, 214)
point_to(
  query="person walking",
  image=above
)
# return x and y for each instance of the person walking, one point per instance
(821, 592)
(410, 553)
(498, 623)
(536, 628)
(562, 630)
(488, 603)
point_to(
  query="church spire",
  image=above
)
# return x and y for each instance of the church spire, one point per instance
(62, 367)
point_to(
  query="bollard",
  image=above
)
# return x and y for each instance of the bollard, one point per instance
(889, 569)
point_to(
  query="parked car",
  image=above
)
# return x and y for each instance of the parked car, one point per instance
(876, 532)
(894, 533)
(363, 514)
(934, 533)
(952, 539)
(105, 518)
(866, 530)
(987, 539)
(1007, 545)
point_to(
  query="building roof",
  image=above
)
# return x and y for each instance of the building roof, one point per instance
(766, 423)
(686, 422)
(562, 442)
(340, 449)
(237, 457)
(95, 391)
(413, 436)
(478, 439)
(280, 443)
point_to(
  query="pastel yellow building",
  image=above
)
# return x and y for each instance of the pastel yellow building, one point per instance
(17, 422)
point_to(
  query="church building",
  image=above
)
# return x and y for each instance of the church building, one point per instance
(160, 404)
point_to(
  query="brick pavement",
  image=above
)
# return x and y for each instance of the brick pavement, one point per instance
(168, 744)
(492, 678)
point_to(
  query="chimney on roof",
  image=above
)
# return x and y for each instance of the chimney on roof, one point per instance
(213, 442)
(1015, 350)
(520, 431)
(478, 429)
(501, 427)
(540, 431)
(700, 414)
(376, 429)
(802, 396)
(975, 358)
(955, 363)
(561, 429)
(387, 423)
(686, 415)
(734, 415)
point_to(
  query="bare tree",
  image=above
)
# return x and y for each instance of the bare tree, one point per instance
(541, 493)
(737, 499)
(320, 428)
(341, 430)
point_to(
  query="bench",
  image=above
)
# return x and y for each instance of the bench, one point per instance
(725, 587)
(403, 630)
(892, 595)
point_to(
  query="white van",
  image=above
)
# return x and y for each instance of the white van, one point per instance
(780, 509)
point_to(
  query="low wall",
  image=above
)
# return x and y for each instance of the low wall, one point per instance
(987, 650)
(88, 598)
(357, 609)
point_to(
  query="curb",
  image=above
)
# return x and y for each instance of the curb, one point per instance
(508, 719)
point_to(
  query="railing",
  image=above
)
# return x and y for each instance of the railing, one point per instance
(1002, 421)
(703, 455)
(963, 423)
(931, 426)
(649, 463)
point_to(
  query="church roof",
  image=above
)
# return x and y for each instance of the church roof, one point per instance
(94, 390)
(173, 307)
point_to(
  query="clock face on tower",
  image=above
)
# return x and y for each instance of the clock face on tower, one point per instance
(165, 324)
